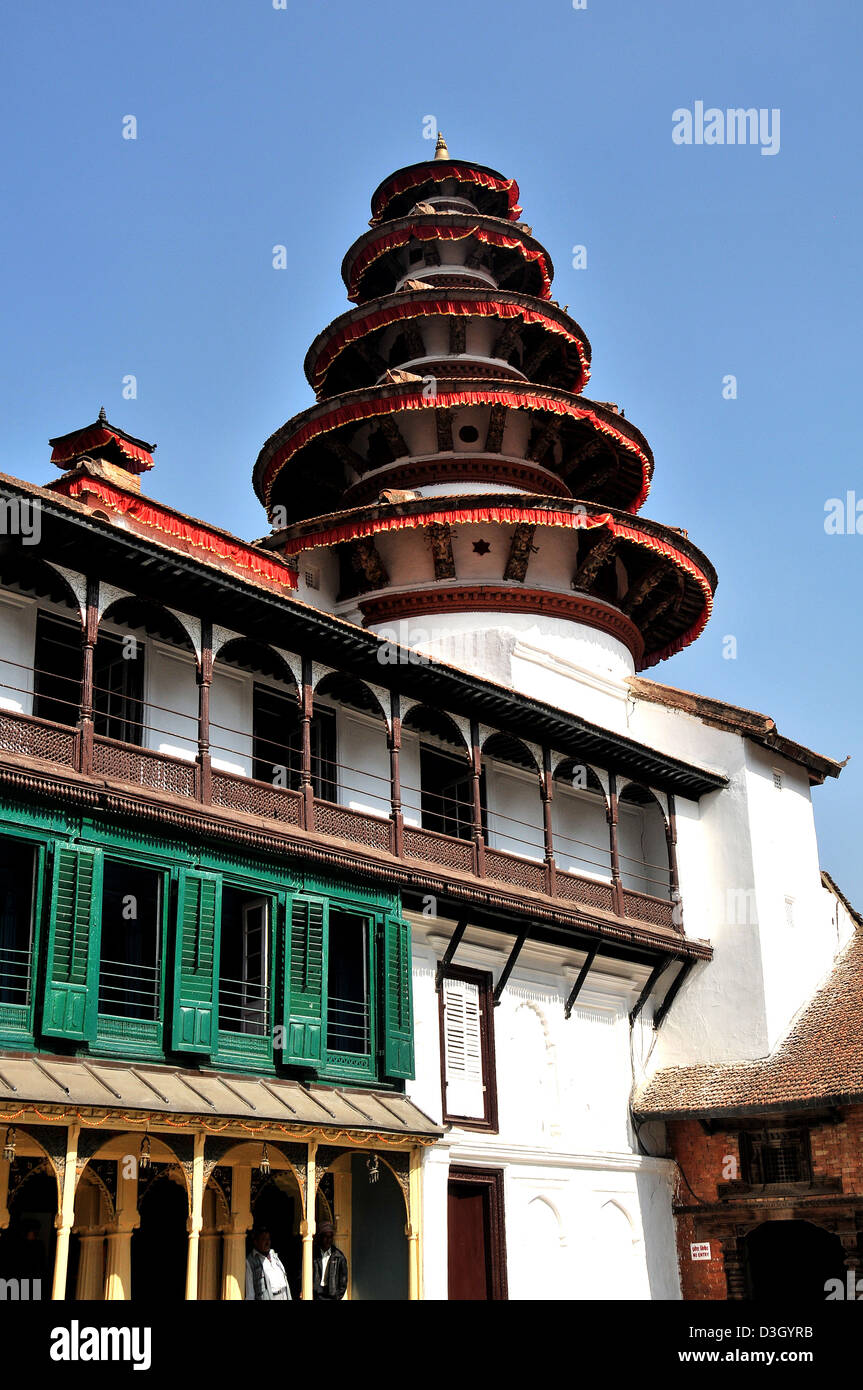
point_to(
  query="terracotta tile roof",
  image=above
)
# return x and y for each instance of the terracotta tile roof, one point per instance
(819, 1062)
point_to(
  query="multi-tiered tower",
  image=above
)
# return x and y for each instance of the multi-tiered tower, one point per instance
(452, 486)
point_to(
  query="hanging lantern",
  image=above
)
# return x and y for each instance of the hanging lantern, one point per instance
(144, 1152)
(265, 1160)
(9, 1146)
(373, 1164)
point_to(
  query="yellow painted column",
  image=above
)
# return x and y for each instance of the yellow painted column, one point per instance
(413, 1230)
(196, 1218)
(234, 1247)
(307, 1227)
(65, 1217)
(118, 1261)
(5, 1166)
(342, 1203)
(91, 1265)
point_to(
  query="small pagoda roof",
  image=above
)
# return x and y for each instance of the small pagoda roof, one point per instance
(414, 177)
(105, 441)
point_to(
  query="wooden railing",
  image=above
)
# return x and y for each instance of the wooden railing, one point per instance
(44, 740)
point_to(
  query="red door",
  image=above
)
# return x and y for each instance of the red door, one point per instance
(475, 1217)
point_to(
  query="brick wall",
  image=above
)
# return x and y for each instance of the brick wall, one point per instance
(707, 1160)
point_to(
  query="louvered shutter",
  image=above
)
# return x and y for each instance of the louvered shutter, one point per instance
(199, 906)
(305, 976)
(71, 984)
(465, 1092)
(398, 1024)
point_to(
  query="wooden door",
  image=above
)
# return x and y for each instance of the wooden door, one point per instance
(476, 1248)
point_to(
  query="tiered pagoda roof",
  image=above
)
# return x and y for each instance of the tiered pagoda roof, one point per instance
(450, 407)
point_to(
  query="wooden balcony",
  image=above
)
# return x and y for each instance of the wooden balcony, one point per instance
(45, 742)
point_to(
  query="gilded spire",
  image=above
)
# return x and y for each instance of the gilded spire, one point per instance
(440, 149)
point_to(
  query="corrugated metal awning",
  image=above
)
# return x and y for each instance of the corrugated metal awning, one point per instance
(153, 1089)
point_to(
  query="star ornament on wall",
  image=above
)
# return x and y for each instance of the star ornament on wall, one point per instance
(481, 547)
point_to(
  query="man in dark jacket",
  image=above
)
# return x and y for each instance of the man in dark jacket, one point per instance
(330, 1266)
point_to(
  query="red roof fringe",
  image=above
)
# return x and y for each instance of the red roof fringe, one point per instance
(437, 173)
(422, 308)
(74, 445)
(264, 568)
(373, 250)
(534, 516)
(517, 400)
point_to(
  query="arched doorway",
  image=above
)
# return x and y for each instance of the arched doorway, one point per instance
(378, 1245)
(27, 1245)
(276, 1205)
(160, 1244)
(791, 1260)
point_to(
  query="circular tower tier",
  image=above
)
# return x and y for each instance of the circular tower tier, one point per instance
(457, 333)
(642, 584)
(452, 487)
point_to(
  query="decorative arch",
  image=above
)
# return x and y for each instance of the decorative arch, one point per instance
(506, 748)
(42, 578)
(260, 658)
(155, 618)
(353, 693)
(645, 862)
(420, 718)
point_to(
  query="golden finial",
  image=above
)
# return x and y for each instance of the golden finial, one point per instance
(440, 149)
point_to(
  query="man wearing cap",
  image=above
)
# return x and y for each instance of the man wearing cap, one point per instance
(266, 1280)
(330, 1266)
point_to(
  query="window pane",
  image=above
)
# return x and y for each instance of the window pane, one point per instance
(130, 951)
(17, 879)
(348, 984)
(244, 985)
(58, 664)
(118, 689)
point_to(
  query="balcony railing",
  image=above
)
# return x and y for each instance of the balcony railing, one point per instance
(44, 740)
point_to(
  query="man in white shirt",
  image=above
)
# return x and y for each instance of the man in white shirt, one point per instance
(266, 1279)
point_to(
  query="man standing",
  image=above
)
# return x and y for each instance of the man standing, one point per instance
(266, 1279)
(330, 1266)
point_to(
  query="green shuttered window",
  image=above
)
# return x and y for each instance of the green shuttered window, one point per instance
(70, 987)
(199, 901)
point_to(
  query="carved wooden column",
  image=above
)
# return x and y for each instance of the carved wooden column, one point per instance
(395, 744)
(673, 878)
(196, 1217)
(65, 1218)
(617, 886)
(205, 679)
(306, 711)
(91, 633)
(546, 791)
(234, 1241)
(476, 782)
(118, 1269)
(612, 818)
(307, 1226)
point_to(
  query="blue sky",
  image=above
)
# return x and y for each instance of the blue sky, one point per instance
(259, 127)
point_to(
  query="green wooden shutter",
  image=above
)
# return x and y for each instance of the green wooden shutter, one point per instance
(398, 1049)
(199, 906)
(305, 977)
(71, 984)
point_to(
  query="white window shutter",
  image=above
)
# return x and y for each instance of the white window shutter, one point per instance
(465, 1092)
